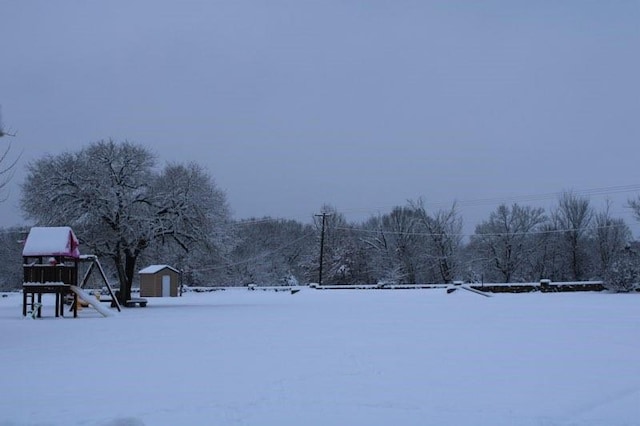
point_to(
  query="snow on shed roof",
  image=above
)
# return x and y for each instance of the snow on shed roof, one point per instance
(152, 269)
(51, 241)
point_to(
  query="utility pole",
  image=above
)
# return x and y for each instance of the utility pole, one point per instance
(324, 218)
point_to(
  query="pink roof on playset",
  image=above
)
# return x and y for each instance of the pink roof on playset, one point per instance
(51, 241)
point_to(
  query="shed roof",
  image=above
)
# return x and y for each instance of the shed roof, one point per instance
(51, 241)
(152, 269)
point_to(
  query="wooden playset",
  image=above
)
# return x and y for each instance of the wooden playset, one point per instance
(51, 260)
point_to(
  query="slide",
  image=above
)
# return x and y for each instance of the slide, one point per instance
(91, 300)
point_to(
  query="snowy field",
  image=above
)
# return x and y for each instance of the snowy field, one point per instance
(369, 357)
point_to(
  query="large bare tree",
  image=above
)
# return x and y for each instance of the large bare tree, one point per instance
(506, 238)
(119, 205)
(573, 216)
(393, 242)
(443, 230)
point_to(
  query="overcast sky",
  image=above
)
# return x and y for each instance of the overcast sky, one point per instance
(362, 105)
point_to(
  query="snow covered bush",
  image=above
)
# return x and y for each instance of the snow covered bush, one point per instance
(623, 274)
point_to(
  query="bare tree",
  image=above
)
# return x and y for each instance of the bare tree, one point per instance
(119, 206)
(547, 260)
(506, 238)
(3, 132)
(7, 166)
(378, 244)
(343, 258)
(574, 215)
(393, 239)
(611, 236)
(10, 256)
(634, 204)
(272, 251)
(193, 221)
(443, 231)
(7, 169)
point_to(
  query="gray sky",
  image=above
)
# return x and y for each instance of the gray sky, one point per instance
(362, 105)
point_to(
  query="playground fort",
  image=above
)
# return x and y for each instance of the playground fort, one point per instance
(51, 260)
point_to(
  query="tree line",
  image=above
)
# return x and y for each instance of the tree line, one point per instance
(126, 209)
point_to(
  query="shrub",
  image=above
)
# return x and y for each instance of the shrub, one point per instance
(623, 275)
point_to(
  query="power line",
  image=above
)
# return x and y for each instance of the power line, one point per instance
(497, 234)
(251, 259)
(462, 204)
(619, 189)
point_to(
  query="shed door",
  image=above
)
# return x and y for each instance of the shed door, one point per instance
(166, 286)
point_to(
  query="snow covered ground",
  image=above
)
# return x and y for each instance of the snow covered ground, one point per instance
(321, 357)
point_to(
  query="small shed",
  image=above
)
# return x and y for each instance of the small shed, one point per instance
(159, 281)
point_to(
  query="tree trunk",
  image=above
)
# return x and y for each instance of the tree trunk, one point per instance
(446, 271)
(575, 258)
(125, 276)
(122, 280)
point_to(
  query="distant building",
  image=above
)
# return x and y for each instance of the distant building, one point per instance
(159, 281)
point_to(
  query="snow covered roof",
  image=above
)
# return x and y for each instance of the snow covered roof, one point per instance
(152, 269)
(51, 241)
